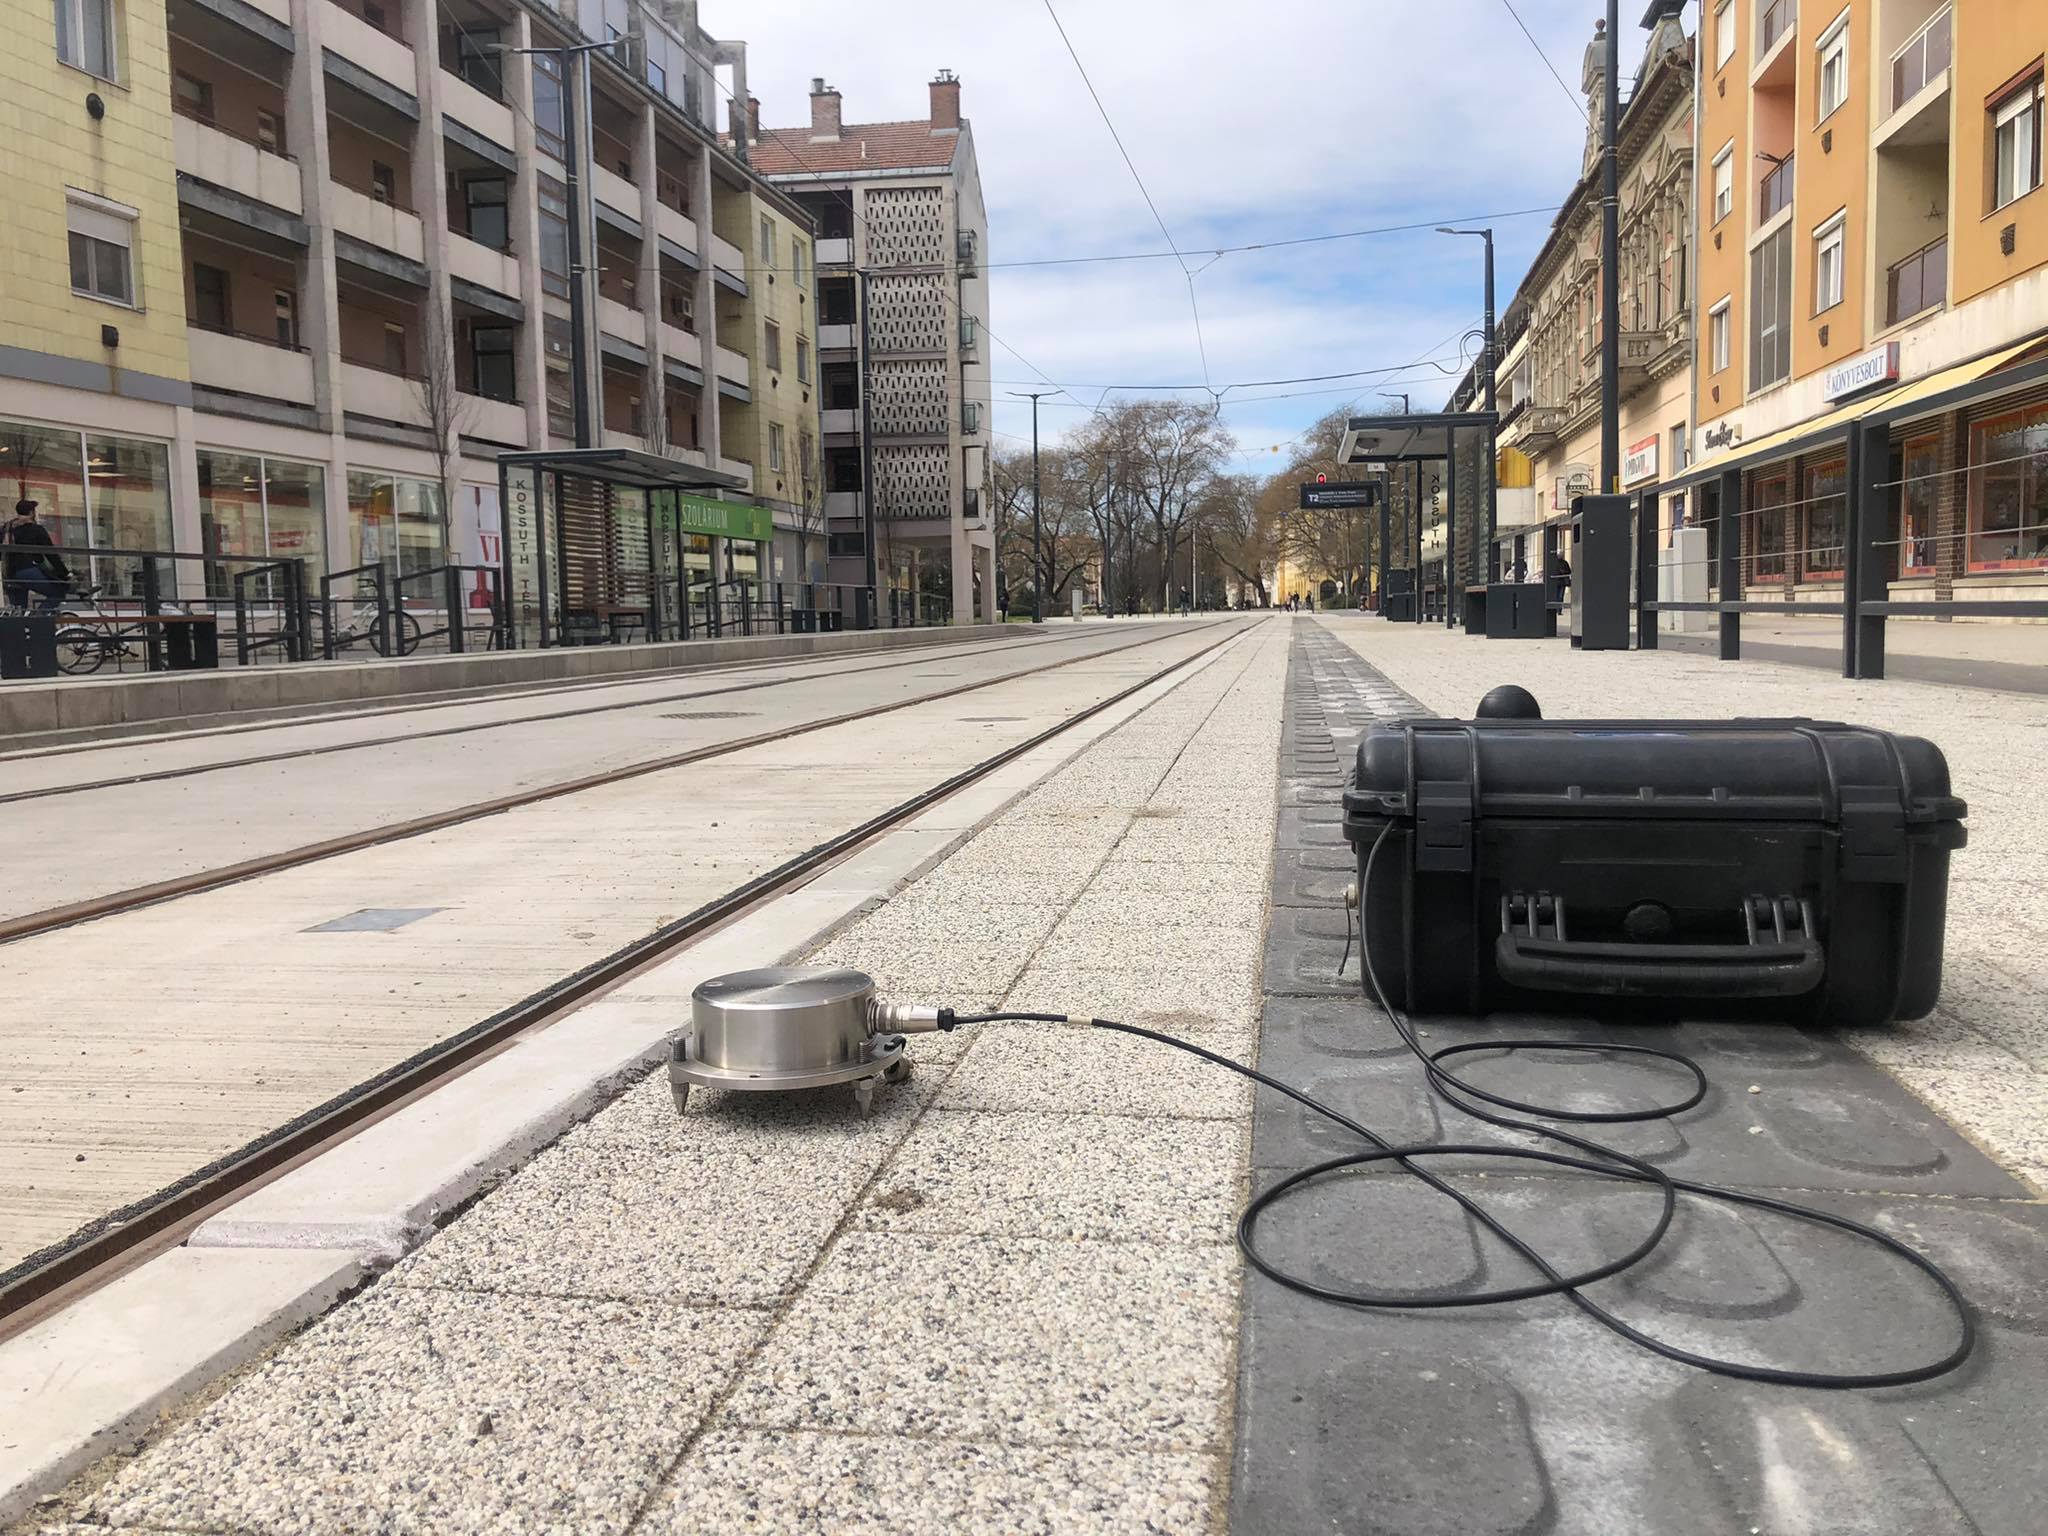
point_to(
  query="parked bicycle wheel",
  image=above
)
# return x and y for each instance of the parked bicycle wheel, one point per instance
(408, 629)
(80, 651)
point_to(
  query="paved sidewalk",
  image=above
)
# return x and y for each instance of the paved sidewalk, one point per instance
(1982, 1058)
(1007, 1302)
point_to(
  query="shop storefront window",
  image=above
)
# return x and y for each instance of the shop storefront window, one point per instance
(261, 510)
(746, 560)
(1823, 517)
(97, 492)
(397, 523)
(2009, 492)
(1763, 532)
(1920, 466)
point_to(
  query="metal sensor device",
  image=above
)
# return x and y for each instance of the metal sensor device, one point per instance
(784, 1026)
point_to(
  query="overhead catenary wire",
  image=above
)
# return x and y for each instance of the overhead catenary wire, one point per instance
(1569, 94)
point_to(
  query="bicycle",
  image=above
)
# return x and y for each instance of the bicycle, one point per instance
(83, 649)
(366, 623)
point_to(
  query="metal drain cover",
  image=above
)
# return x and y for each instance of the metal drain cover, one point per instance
(713, 714)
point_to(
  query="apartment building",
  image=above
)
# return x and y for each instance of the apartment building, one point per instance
(903, 231)
(1873, 244)
(287, 276)
(1548, 382)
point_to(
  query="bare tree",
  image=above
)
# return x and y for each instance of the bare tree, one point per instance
(1171, 450)
(810, 499)
(1242, 531)
(449, 412)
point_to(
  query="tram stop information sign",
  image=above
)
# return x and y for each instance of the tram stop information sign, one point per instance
(1320, 495)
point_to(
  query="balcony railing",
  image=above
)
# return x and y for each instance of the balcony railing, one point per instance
(249, 139)
(198, 324)
(1919, 282)
(1774, 18)
(1775, 193)
(1925, 55)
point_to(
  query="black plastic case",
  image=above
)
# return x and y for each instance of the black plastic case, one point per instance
(1795, 869)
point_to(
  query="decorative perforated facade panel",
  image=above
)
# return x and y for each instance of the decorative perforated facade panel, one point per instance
(906, 227)
(907, 313)
(910, 398)
(910, 480)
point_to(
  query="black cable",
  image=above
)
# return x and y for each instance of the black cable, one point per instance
(1601, 1160)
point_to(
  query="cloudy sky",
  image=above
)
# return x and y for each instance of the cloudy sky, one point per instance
(1248, 122)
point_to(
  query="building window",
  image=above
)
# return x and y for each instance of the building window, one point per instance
(254, 509)
(1823, 514)
(1717, 337)
(554, 237)
(383, 184)
(85, 35)
(2009, 491)
(94, 492)
(192, 96)
(1920, 493)
(102, 256)
(211, 310)
(1827, 263)
(1724, 32)
(547, 104)
(775, 445)
(270, 131)
(287, 318)
(803, 360)
(1774, 19)
(1763, 534)
(394, 522)
(771, 346)
(394, 348)
(2016, 135)
(1724, 183)
(767, 243)
(799, 261)
(657, 77)
(491, 356)
(1833, 50)
(1770, 311)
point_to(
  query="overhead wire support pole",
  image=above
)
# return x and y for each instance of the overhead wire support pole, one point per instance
(1610, 259)
(1037, 522)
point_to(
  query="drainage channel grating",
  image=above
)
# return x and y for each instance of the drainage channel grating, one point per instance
(713, 714)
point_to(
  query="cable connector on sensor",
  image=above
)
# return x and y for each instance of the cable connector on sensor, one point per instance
(906, 1018)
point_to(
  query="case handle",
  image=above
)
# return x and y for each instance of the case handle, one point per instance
(1785, 969)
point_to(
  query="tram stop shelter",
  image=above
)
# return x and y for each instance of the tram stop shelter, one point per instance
(603, 545)
(1384, 444)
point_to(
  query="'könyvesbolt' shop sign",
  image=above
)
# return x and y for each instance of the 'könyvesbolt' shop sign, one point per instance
(1880, 365)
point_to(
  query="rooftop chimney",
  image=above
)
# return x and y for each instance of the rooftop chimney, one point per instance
(945, 102)
(824, 112)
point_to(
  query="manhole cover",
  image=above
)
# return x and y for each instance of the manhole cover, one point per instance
(713, 714)
(375, 920)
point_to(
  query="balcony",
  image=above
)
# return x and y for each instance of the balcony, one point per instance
(367, 390)
(1918, 283)
(476, 111)
(728, 256)
(613, 438)
(494, 421)
(384, 225)
(1776, 22)
(842, 503)
(615, 192)
(741, 468)
(733, 366)
(678, 227)
(364, 46)
(682, 346)
(625, 323)
(249, 365)
(841, 421)
(1774, 192)
(1924, 60)
(1541, 426)
(835, 253)
(838, 338)
(214, 155)
(479, 264)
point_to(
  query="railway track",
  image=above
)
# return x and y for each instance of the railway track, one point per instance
(117, 1241)
(111, 903)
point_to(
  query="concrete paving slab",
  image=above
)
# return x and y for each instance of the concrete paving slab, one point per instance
(1072, 1069)
(848, 1485)
(1011, 1340)
(1117, 1178)
(445, 1411)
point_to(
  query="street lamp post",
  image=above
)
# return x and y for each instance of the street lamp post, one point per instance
(1037, 523)
(1490, 362)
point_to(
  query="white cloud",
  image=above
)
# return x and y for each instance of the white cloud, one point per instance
(1247, 123)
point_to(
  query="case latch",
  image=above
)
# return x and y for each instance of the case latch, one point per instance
(1873, 836)
(1443, 826)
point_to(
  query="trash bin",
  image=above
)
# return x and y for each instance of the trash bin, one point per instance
(28, 646)
(192, 645)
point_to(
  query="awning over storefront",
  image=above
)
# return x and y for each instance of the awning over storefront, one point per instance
(625, 466)
(1900, 402)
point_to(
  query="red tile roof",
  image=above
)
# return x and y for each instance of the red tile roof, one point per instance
(860, 147)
